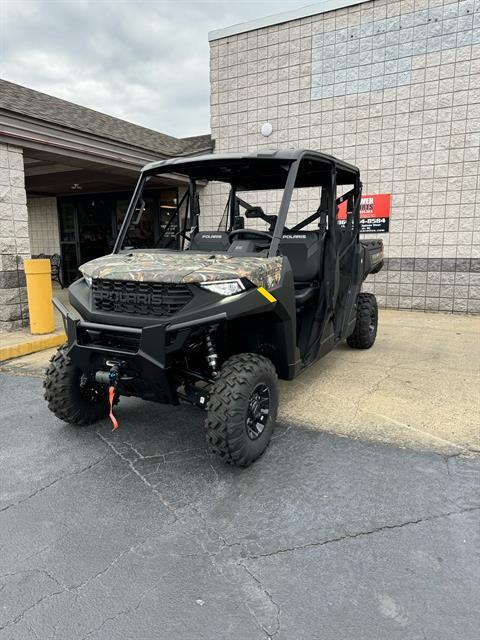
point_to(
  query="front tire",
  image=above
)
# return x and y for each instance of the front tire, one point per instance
(365, 332)
(242, 409)
(72, 396)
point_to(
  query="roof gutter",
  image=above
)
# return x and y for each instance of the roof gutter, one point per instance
(67, 141)
(59, 145)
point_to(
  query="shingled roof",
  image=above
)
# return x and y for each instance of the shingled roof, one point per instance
(41, 106)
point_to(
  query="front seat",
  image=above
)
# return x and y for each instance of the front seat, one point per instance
(303, 251)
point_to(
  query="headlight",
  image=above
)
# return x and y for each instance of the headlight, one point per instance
(88, 280)
(224, 287)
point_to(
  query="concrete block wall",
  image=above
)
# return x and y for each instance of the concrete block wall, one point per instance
(14, 239)
(43, 225)
(392, 86)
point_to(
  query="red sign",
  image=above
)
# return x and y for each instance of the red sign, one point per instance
(374, 213)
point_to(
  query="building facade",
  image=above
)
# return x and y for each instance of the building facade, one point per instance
(66, 176)
(392, 86)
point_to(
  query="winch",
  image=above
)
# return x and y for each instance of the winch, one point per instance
(110, 378)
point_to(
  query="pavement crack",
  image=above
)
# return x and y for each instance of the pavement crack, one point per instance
(276, 619)
(51, 484)
(358, 404)
(139, 455)
(111, 564)
(124, 612)
(132, 467)
(56, 541)
(360, 534)
(449, 457)
(21, 615)
(12, 574)
(383, 378)
(75, 588)
(282, 434)
(215, 472)
(117, 558)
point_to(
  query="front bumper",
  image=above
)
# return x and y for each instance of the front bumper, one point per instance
(143, 353)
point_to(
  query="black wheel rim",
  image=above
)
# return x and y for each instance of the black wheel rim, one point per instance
(258, 411)
(90, 390)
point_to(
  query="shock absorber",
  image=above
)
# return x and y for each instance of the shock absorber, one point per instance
(212, 355)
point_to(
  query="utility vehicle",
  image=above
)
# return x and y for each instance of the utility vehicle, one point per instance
(215, 316)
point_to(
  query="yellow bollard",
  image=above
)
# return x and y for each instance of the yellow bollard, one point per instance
(39, 292)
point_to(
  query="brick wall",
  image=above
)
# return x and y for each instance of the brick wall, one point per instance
(14, 240)
(393, 87)
(43, 225)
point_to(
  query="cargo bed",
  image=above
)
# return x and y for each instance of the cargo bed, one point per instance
(373, 255)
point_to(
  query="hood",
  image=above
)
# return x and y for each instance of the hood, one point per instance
(184, 267)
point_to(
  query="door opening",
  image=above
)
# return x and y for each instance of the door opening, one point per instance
(89, 225)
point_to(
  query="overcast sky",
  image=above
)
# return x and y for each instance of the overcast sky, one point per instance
(144, 61)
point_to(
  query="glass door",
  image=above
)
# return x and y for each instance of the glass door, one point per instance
(95, 226)
(89, 225)
(69, 245)
(86, 231)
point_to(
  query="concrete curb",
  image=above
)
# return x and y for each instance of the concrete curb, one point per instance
(37, 343)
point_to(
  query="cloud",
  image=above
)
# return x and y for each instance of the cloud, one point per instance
(144, 61)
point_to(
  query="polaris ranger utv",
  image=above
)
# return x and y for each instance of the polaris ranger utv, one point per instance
(214, 317)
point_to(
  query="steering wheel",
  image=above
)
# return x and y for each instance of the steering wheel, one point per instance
(238, 232)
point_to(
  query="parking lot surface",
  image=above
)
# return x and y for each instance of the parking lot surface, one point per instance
(360, 521)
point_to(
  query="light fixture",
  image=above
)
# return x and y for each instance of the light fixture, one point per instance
(266, 129)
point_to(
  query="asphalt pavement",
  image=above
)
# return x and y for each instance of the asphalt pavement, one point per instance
(142, 534)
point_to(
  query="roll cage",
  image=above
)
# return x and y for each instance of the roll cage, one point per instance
(259, 171)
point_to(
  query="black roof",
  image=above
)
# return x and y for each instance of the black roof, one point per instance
(41, 106)
(246, 170)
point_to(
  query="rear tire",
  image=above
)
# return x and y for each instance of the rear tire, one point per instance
(242, 409)
(365, 332)
(70, 395)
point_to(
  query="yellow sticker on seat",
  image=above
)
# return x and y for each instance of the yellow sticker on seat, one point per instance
(266, 294)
